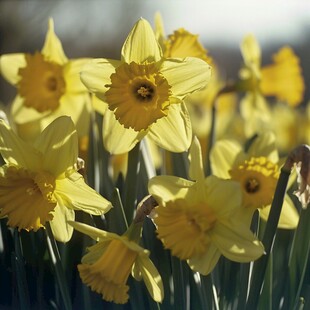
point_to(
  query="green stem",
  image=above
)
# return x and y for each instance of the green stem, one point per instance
(58, 268)
(260, 265)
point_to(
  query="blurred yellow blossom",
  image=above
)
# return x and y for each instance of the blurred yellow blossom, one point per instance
(144, 92)
(197, 219)
(40, 182)
(108, 264)
(48, 85)
(257, 171)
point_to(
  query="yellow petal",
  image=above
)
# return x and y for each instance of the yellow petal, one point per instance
(222, 157)
(289, 216)
(79, 196)
(236, 242)
(93, 232)
(9, 66)
(22, 115)
(196, 171)
(52, 48)
(78, 107)
(116, 138)
(168, 188)
(186, 75)
(72, 75)
(141, 45)
(173, 132)
(59, 145)
(159, 29)
(96, 74)
(151, 277)
(205, 263)
(251, 52)
(99, 105)
(60, 228)
(265, 145)
(215, 189)
(14, 150)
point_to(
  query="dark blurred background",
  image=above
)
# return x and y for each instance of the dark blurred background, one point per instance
(98, 28)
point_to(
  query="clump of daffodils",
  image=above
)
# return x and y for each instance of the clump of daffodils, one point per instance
(197, 219)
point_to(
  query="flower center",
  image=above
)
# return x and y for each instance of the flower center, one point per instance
(42, 83)
(258, 177)
(26, 197)
(251, 185)
(138, 94)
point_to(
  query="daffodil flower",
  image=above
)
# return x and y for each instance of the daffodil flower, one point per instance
(40, 182)
(108, 264)
(282, 79)
(197, 219)
(144, 92)
(257, 170)
(48, 85)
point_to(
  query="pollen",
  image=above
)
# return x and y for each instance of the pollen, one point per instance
(41, 83)
(26, 198)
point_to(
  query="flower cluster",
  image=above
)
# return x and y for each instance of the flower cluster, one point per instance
(204, 179)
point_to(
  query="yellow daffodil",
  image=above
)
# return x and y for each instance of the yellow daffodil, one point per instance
(108, 264)
(40, 182)
(144, 92)
(197, 219)
(183, 43)
(257, 171)
(283, 79)
(48, 86)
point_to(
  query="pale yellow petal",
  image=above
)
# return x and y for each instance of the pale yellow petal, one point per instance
(222, 157)
(96, 75)
(236, 242)
(72, 71)
(168, 188)
(151, 277)
(206, 262)
(59, 145)
(141, 44)
(14, 150)
(99, 105)
(173, 132)
(52, 48)
(289, 216)
(159, 29)
(79, 196)
(95, 233)
(9, 66)
(251, 52)
(224, 196)
(78, 107)
(265, 145)
(116, 138)
(22, 115)
(60, 228)
(186, 75)
(196, 171)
